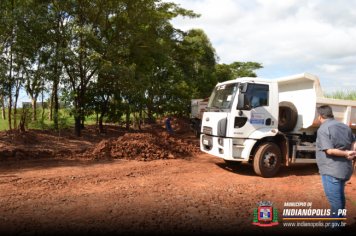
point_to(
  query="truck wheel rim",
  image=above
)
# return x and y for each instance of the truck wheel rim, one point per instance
(270, 160)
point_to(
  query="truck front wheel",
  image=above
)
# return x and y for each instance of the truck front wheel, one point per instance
(267, 160)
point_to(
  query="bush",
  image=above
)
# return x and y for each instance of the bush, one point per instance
(63, 123)
(39, 123)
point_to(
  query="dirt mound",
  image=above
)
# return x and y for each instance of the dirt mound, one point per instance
(179, 123)
(26, 154)
(19, 137)
(21, 154)
(143, 146)
(151, 145)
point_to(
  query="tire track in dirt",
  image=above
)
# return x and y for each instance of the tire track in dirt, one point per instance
(200, 196)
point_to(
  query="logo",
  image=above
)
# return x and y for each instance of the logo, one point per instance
(207, 119)
(265, 215)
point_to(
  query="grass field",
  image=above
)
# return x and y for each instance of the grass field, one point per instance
(64, 117)
(342, 94)
(68, 121)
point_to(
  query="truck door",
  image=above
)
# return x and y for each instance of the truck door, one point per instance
(257, 115)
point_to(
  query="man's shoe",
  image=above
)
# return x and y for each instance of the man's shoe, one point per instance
(330, 231)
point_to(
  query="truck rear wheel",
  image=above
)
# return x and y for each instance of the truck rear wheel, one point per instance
(196, 131)
(287, 118)
(267, 160)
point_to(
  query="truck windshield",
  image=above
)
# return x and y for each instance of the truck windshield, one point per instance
(223, 96)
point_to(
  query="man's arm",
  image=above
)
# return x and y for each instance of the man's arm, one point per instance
(349, 155)
(353, 146)
(329, 148)
(337, 152)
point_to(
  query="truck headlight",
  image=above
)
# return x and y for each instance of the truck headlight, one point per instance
(239, 141)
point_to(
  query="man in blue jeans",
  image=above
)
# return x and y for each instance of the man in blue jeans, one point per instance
(335, 149)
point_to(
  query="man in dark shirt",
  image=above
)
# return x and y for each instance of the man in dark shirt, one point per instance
(335, 149)
(168, 124)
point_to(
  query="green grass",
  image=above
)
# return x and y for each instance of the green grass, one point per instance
(342, 94)
(348, 198)
(64, 115)
(69, 121)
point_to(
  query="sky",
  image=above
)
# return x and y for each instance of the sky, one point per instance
(287, 36)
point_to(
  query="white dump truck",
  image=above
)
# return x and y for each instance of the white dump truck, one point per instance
(197, 109)
(268, 122)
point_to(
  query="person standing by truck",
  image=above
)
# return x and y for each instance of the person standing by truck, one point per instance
(335, 149)
(168, 124)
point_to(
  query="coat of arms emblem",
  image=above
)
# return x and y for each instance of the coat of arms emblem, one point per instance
(265, 215)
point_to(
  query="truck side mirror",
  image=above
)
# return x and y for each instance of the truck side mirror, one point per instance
(241, 102)
(244, 87)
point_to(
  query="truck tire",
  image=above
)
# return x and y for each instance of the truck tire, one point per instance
(287, 118)
(267, 159)
(235, 163)
(196, 132)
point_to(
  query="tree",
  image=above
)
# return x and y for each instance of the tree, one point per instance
(7, 39)
(108, 56)
(224, 72)
(11, 13)
(105, 100)
(181, 66)
(235, 70)
(245, 69)
(199, 65)
(98, 33)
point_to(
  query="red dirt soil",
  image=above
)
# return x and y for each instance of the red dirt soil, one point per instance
(149, 145)
(179, 123)
(100, 185)
(144, 147)
(50, 140)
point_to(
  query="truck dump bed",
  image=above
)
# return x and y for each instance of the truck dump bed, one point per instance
(198, 107)
(305, 92)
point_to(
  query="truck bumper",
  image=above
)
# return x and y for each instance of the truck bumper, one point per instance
(227, 148)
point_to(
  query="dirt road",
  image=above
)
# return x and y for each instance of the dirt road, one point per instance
(198, 195)
(143, 182)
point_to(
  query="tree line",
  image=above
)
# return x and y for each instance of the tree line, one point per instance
(113, 57)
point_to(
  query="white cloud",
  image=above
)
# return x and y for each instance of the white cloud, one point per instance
(338, 13)
(287, 37)
(349, 84)
(330, 68)
(282, 9)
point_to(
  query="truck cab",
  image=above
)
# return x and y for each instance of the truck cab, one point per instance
(266, 122)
